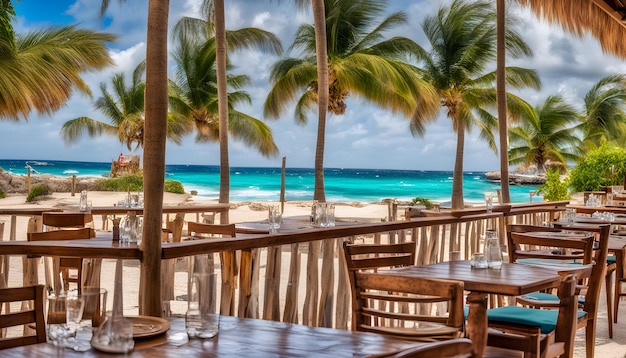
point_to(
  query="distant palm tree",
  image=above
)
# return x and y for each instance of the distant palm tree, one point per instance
(124, 108)
(549, 134)
(194, 89)
(604, 117)
(39, 70)
(463, 41)
(360, 62)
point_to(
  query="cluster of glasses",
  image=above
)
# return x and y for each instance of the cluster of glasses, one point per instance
(593, 201)
(323, 215)
(132, 201)
(604, 216)
(131, 228)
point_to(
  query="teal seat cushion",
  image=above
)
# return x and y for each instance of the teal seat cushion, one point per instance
(611, 259)
(531, 317)
(540, 296)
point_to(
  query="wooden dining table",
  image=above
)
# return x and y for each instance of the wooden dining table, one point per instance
(509, 280)
(242, 337)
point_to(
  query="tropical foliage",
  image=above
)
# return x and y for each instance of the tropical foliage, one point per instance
(554, 189)
(40, 70)
(600, 167)
(463, 43)
(361, 61)
(193, 90)
(124, 108)
(547, 134)
(604, 117)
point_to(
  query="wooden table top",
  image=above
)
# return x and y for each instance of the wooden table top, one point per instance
(581, 209)
(511, 279)
(167, 209)
(243, 337)
(27, 211)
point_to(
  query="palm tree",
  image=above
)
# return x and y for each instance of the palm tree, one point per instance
(197, 87)
(360, 61)
(155, 129)
(39, 70)
(604, 117)
(124, 107)
(549, 134)
(194, 95)
(462, 37)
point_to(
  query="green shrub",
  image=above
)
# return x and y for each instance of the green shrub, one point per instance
(423, 201)
(36, 191)
(554, 189)
(2, 194)
(172, 186)
(601, 167)
(135, 183)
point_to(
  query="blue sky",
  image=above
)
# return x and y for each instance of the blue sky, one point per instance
(365, 137)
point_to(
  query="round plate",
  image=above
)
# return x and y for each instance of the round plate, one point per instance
(148, 326)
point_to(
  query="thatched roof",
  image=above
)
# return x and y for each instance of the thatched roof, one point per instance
(603, 19)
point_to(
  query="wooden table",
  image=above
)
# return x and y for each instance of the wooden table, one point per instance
(510, 280)
(15, 212)
(242, 337)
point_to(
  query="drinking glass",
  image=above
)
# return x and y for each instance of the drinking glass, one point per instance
(94, 313)
(570, 215)
(274, 218)
(74, 305)
(330, 215)
(489, 201)
(493, 250)
(202, 320)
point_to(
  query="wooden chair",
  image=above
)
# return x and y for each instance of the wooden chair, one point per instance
(26, 317)
(70, 268)
(228, 262)
(401, 306)
(452, 348)
(63, 220)
(586, 317)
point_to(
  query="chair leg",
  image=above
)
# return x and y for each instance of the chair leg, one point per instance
(608, 288)
(590, 338)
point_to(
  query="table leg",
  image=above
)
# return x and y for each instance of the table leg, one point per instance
(477, 322)
(619, 278)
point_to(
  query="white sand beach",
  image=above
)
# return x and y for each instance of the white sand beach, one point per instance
(242, 212)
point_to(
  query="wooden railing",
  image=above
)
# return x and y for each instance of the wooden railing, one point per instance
(270, 273)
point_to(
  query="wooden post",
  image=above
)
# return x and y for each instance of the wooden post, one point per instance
(28, 177)
(73, 186)
(282, 186)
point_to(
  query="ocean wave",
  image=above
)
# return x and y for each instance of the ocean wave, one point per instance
(70, 171)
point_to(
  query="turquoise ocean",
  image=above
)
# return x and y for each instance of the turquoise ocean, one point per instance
(263, 184)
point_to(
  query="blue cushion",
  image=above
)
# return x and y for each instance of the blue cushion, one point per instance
(611, 259)
(531, 317)
(465, 311)
(539, 296)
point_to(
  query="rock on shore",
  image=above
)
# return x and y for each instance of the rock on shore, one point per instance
(18, 184)
(518, 179)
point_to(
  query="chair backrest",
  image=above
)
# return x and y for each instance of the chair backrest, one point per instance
(34, 315)
(457, 348)
(66, 219)
(372, 256)
(74, 234)
(400, 306)
(200, 230)
(565, 247)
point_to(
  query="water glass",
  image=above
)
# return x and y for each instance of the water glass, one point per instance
(56, 317)
(493, 250)
(319, 215)
(274, 218)
(330, 215)
(95, 299)
(202, 320)
(489, 201)
(74, 306)
(478, 260)
(570, 215)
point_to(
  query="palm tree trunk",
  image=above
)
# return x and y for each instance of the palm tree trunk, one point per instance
(457, 178)
(222, 103)
(319, 19)
(501, 98)
(154, 155)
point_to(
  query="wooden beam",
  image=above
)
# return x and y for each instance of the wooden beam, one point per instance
(616, 15)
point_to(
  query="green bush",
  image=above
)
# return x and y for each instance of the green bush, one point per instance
(172, 186)
(554, 189)
(423, 201)
(36, 191)
(2, 194)
(601, 167)
(135, 183)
